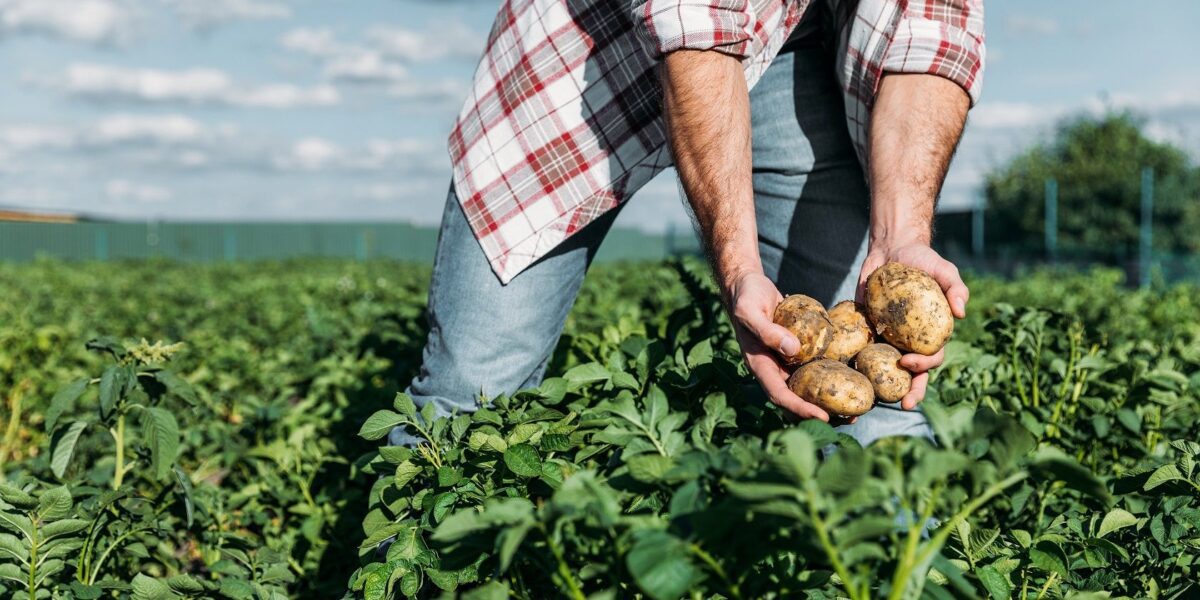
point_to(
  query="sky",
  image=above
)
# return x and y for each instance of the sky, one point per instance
(338, 109)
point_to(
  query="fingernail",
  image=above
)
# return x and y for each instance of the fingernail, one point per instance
(789, 346)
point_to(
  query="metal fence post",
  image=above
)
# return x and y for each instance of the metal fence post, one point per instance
(230, 244)
(1052, 219)
(101, 243)
(361, 246)
(1146, 245)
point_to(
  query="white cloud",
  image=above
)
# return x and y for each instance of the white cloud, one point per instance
(160, 129)
(1032, 24)
(87, 21)
(125, 190)
(319, 154)
(430, 92)
(190, 86)
(207, 14)
(452, 40)
(382, 55)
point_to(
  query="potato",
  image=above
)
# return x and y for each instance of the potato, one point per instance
(807, 320)
(851, 332)
(908, 309)
(834, 387)
(881, 364)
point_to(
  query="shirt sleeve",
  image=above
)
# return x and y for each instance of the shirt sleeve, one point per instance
(728, 26)
(940, 37)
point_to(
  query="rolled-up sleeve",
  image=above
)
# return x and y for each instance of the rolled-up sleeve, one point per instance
(940, 37)
(728, 26)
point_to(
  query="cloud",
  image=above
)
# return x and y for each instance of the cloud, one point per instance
(438, 92)
(1032, 25)
(208, 14)
(314, 154)
(99, 22)
(381, 57)
(128, 191)
(199, 87)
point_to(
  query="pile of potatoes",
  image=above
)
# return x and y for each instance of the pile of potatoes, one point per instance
(840, 367)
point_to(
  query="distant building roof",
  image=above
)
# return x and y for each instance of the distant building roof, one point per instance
(10, 214)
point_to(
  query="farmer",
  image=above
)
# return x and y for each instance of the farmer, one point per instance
(811, 139)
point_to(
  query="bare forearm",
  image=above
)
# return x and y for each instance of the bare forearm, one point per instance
(916, 123)
(707, 109)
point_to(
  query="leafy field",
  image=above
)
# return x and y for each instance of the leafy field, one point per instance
(210, 432)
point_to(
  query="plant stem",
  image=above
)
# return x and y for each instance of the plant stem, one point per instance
(939, 539)
(119, 437)
(33, 560)
(827, 544)
(716, 567)
(1046, 586)
(563, 570)
(14, 422)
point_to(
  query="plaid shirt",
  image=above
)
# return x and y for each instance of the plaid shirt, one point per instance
(564, 119)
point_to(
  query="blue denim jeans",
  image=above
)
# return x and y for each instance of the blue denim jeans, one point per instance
(811, 204)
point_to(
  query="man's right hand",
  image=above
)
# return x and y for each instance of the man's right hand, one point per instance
(751, 301)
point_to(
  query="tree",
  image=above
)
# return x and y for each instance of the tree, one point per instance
(1097, 163)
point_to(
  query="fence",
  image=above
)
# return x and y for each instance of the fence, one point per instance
(198, 242)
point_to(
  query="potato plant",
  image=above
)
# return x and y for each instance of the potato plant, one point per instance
(647, 465)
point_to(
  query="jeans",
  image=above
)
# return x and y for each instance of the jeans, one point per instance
(811, 203)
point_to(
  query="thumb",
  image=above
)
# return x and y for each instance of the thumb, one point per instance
(773, 336)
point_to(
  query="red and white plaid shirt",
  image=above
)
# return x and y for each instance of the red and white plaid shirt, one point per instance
(564, 119)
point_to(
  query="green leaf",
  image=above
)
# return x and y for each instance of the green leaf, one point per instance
(185, 584)
(995, 583)
(86, 592)
(1053, 463)
(161, 433)
(700, 354)
(18, 523)
(405, 472)
(1050, 557)
(1161, 475)
(1116, 518)
(177, 386)
(12, 548)
(661, 564)
(648, 468)
(449, 476)
(508, 541)
(380, 424)
(62, 447)
(112, 383)
(586, 373)
(64, 400)
(523, 460)
(147, 588)
(17, 497)
(55, 504)
(404, 405)
(63, 527)
(493, 590)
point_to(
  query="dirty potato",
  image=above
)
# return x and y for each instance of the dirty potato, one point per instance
(808, 321)
(851, 332)
(834, 387)
(881, 364)
(908, 309)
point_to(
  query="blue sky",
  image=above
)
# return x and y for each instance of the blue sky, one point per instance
(319, 110)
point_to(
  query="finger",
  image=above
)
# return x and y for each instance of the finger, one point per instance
(772, 378)
(860, 291)
(919, 363)
(948, 277)
(771, 335)
(916, 393)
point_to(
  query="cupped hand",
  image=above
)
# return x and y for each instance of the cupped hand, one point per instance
(752, 299)
(920, 256)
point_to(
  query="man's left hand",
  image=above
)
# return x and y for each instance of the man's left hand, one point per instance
(920, 256)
